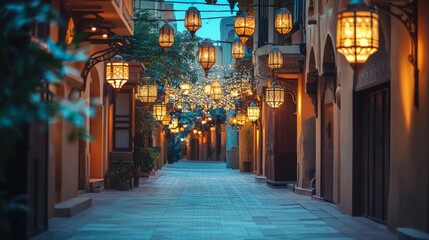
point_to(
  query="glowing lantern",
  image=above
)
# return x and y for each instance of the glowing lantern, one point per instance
(195, 130)
(159, 110)
(174, 123)
(216, 90)
(275, 58)
(192, 20)
(166, 36)
(253, 112)
(357, 32)
(166, 120)
(147, 93)
(283, 21)
(237, 50)
(117, 72)
(208, 89)
(274, 96)
(241, 118)
(207, 55)
(244, 26)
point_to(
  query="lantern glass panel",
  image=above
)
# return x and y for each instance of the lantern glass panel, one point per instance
(275, 58)
(147, 93)
(192, 20)
(159, 111)
(207, 55)
(207, 89)
(166, 36)
(244, 27)
(237, 50)
(117, 73)
(253, 112)
(216, 88)
(166, 120)
(241, 118)
(283, 21)
(274, 96)
(357, 35)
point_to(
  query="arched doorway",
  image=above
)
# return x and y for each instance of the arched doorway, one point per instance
(96, 166)
(328, 85)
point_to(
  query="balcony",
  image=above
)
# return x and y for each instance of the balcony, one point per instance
(116, 13)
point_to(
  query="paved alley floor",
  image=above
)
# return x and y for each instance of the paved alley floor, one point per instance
(204, 200)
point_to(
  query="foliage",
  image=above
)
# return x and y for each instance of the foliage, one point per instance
(121, 172)
(147, 158)
(30, 68)
(144, 124)
(172, 67)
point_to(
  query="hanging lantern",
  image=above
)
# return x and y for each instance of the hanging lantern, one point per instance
(357, 32)
(244, 26)
(166, 120)
(274, 96)
(211, 1)
(275, 58)
(207, 55)
(237, 50)
(166, 36)
(159, 110)
(185, 87)
(283, 21)
(253, 112)
(232, 121)
(207, 106)
(174, 123)
(117, 72)
(194, 130)
(234, 93)
(192, 20)
(241, 118)
(147, 93)
(216, 90)
(179, 105)
(208, 89)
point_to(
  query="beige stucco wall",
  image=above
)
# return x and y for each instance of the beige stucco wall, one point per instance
(409, 165)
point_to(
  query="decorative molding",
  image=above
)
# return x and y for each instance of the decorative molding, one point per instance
(375, 72)
(289, 85)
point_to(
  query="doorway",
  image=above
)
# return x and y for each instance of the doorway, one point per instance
(327, 166)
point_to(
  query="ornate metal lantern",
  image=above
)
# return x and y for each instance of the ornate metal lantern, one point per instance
(274, 96)
(147, 93)
(357, 32)
(253, 112)
(166, 120)
(244, 26)
(237, 50)
(192, 20)
(159, 110)
(166, 36)
(241, 118)
(208, 89)
(216, 90)
(117, 72)
(275, 58)
(283, 21)
(207, 55)
(185, 87)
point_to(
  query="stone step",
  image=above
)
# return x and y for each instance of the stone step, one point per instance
(96, 182)
(72, 207)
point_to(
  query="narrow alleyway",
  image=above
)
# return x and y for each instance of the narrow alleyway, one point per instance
(204, 200)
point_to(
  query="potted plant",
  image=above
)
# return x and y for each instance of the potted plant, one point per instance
(138, 158)
(150, 157)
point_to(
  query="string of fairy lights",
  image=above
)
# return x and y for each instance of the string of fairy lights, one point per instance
(217, 92)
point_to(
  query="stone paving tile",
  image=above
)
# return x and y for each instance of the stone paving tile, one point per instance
(204, 200)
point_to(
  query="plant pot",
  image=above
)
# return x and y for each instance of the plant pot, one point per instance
(122, 186)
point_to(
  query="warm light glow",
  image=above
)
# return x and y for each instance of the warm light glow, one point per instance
(208, 89)
(241, 118)
(185, 87)
(357, 33)
(195, 131)
(203, 122)
(212, 128)
(216, 90)
(147, 93)
(179, 106)
(209, 118)
(182, 129)
(253, 112)
(232, 121)
(117, 72)
(275, 58)
(199, 132)
(237, 50)
(159, 110)
(274, 96)
(283, 21)
(93, 29)
(192, 20)
(207, 55)
(166, 36)
(174, 123)
(244, 26)
(105, 35)
(166, 120)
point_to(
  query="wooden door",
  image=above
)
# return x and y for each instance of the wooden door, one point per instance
(194, 149)
(375, 152)
(327, 166)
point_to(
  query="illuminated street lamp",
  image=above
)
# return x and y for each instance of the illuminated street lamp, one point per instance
(244, 26)
(283, 21)
(253, 112)
(166, 36)
(274, 96)
(275, 58)
(208, 89)
(147, 93)
(237, 50)
(159, 110)
(357, 32)
(216, 88)
(241, 118)
(166, 120)
(192, 20)
(185, 87)
(117, 72)
(207, 55)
